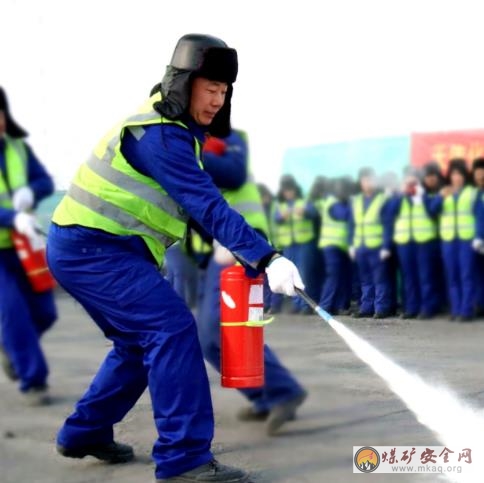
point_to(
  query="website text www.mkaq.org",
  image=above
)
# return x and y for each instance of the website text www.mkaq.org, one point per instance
(427, 469)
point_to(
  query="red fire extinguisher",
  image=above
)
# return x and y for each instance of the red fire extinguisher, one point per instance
(241, 331)
(33, 261)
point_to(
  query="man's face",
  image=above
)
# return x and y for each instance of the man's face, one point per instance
(3, 124)
(368, 184)
(431, 181)
(479, 178)
(207, 99)
(456, 179)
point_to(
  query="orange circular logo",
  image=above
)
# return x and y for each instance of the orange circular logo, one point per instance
(367, 459)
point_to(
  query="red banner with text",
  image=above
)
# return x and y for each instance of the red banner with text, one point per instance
(443, 146)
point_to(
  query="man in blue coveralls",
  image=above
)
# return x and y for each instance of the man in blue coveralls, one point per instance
(226, 160)
(24, 314)
(127, 203)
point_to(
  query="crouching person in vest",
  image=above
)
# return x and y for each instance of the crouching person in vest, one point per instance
(126, 205)
(457, 206)
(226, 160)
(24, 314)
(333, 241)
(371, 248)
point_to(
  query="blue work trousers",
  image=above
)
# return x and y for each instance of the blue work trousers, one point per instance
(279, 386)
(375, 281)
(155, 344)
(460, 275)
(407, 258)
(430, 278)
(24, 315)
(336, 292)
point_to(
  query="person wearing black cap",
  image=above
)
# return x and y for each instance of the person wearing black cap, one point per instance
(127, 204)
(456, 207)
(478, 242)
(24, 314)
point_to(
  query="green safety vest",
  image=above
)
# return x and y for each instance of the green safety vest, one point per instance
(368, 225)
(334, 233)
(457, 219)
(15, 177)
(247, 201)
(296, 229)
(413, 224)
(110, 195)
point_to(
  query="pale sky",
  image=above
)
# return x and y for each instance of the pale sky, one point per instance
(310, 72)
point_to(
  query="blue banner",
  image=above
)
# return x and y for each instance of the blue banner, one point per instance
(346, 158)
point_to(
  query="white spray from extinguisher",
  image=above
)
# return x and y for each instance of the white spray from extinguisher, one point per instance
(454, 423)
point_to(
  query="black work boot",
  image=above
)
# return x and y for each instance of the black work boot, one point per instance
(211, 472)
(37, 396)
(281, 413)
(251, 414)
(110, 452)
(7, 365)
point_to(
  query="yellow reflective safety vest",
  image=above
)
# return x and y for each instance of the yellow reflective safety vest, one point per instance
(108, 194)
(368, 225)
(15, 177)
(457, 219)
(334, 233)
(413, 224)
(296, 229)
(246, 200)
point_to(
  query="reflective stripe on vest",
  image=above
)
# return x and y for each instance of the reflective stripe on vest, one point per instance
(333, 232)
(368, 226)
(15, 177)
(402, 232)
(457, 218)
(108, 194)
(247, 201)
(424, 228)
(295, 230)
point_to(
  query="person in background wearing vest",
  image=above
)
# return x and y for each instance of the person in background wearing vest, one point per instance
(371, 243)
(457, 206)
(126, 205)
(294, 233)
(478, 242)
(407, 228)
(24, 314)
(335, 295)
(267, 199)
(226, 161)
(429, 260)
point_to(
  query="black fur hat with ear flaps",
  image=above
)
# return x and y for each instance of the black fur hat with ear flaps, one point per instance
(198, 55)
(12, 128)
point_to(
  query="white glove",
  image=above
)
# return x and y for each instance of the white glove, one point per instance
(385, 254)
(23, 199)
(477, 244)
(283, 276)
(27, 225)
(352, 253)
(223, 256)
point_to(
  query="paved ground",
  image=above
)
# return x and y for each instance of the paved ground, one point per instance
(348, 404)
